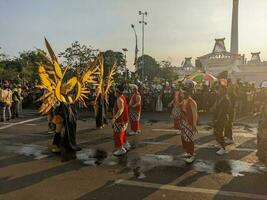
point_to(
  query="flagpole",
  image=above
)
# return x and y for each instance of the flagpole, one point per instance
(136, 49)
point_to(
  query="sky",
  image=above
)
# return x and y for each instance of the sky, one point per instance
(175, 29)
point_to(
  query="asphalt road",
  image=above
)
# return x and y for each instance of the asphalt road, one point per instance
(153, 168)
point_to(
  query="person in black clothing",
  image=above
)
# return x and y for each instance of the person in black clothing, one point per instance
(221, 117)
(66, 116)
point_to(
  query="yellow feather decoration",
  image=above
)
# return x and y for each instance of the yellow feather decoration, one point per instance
(79, 87)
(58, 70)
(70, 85)
(58, 90)
(44, 78)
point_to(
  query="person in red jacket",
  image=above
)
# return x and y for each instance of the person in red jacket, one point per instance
(135, 111)
(120, 122)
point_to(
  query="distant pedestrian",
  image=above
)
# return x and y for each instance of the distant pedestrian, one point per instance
(7, 101)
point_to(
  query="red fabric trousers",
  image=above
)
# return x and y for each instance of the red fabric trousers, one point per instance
(119, 139)
(188, 147)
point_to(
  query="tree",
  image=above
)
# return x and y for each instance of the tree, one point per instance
(111, 57)
(24, 67)
(29, 61)
(78, 55)
(151, 67)
(167, 71)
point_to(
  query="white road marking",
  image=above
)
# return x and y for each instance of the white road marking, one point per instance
(164, 130)
(229, 148)
(148, 142)
(22, 122)
(31, 124)
(191, 189)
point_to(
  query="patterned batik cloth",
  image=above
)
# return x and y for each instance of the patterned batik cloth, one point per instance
(119, 135)
(176, 115)
(135, 121)
(187, 137)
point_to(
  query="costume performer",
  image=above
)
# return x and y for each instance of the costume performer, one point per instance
(61, 96)
(189, 120)
(176, 109)
(100, 114)
(102, 92)
(120, 122)
(135, 111)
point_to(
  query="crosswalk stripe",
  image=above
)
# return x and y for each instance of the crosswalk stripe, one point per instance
(191, 189)
(22, 122)
(164, 130)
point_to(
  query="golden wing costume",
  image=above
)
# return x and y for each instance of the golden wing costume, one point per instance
(58, 89)
(60, 94)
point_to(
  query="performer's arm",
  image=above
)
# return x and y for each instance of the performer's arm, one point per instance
(171, 103)
(120, 109)
(138, 101)
(194, 112)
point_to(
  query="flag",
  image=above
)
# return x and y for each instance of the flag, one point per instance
(136, 55)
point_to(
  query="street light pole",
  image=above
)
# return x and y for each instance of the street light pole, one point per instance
(125, 69)
(143, 22)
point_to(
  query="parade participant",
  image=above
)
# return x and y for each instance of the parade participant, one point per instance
(120, 122)
(62, 96)
(221, 117)
(51, 125)
(176, 109)
(229, 123)
(189, 120)
(103, 91)
(135, 111)
(100, 117)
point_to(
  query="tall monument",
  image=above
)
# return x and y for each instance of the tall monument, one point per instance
(234, 30)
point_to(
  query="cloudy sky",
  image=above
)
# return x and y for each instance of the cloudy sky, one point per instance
(176, 28)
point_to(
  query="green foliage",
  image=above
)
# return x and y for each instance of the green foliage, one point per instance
(78, 55)
(24, 67)
(111, 57)
(167, 71)
(151, 67)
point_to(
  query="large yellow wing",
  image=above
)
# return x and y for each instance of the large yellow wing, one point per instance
(100, 65)
(90, 76)
(110, 79)
(51, 77)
